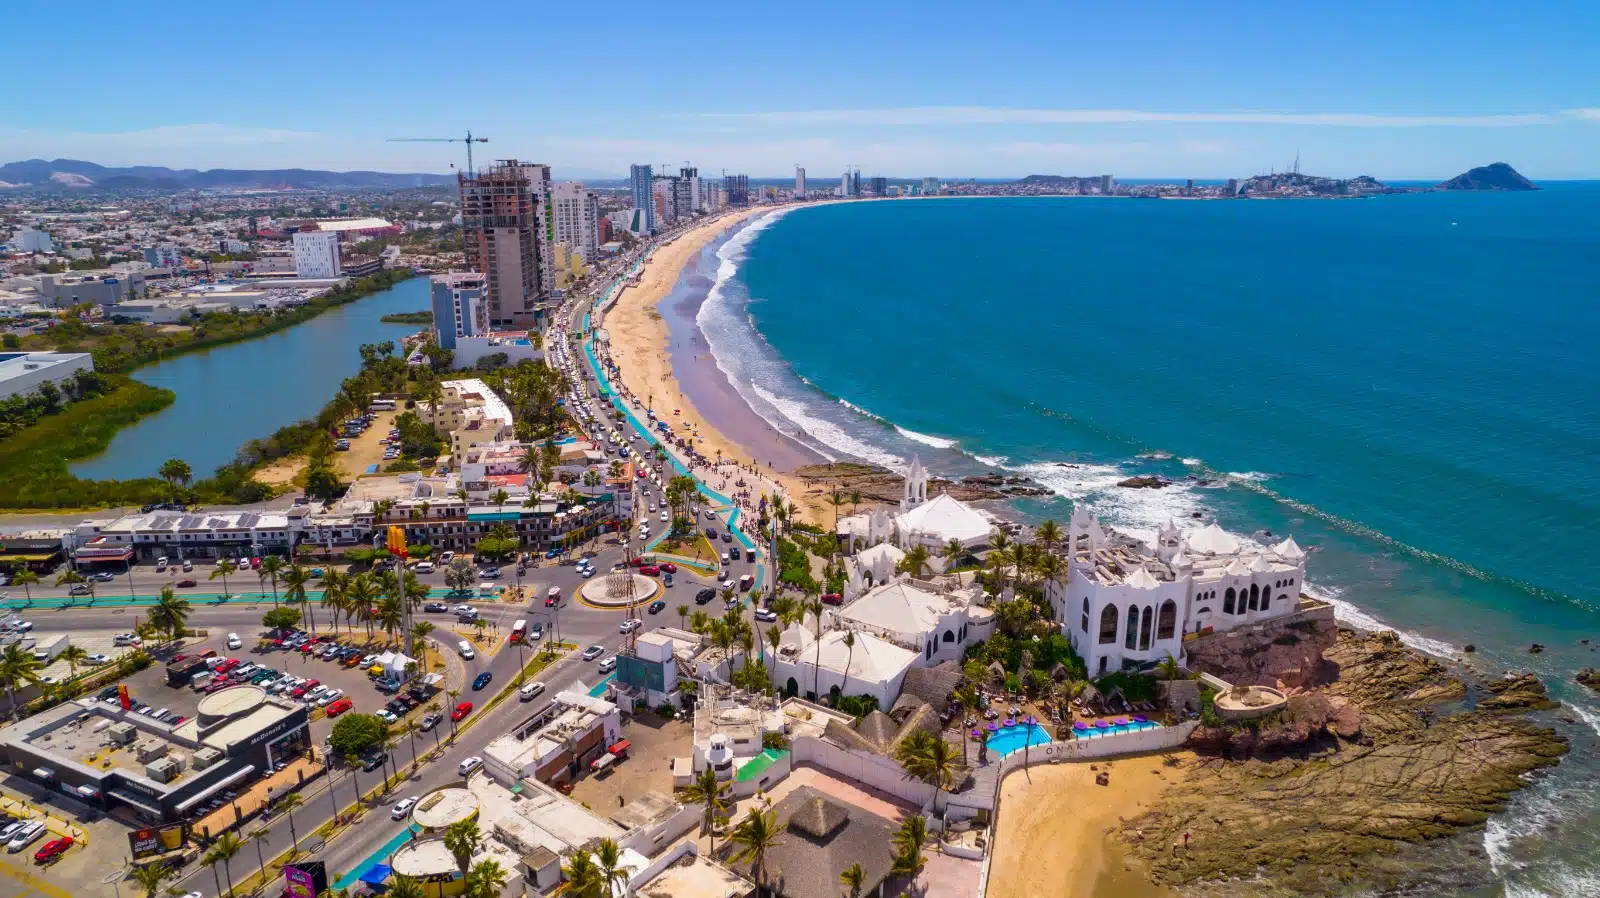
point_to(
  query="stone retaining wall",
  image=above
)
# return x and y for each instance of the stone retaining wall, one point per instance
(1286, 650)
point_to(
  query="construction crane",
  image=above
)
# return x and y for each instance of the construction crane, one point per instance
(469, 140)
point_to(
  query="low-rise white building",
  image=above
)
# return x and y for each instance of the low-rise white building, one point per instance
(938, 625)
(22, 373)
(846, 663)
(555, 746)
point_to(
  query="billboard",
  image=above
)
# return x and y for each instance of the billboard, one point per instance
(397, 542)
(122, 697)
(155, 840)
(307, 879)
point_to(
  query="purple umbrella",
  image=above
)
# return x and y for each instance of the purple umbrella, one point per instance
(1080, 726)
(1100, 724)
(1121, 721)
(976, 734)
(1010, 722)
(1141, 719)
(992, 727)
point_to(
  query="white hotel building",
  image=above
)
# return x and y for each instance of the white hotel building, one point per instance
(1122, 607)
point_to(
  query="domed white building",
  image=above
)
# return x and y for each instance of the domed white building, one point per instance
(1123, 607)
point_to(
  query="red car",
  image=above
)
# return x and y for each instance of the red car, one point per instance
(255, 564)
(833, 598)
(339, 707)
(228, 665)
(650, 570)
(52, 849)
(179, 657)
(669, 567)
(301, 690)
(186, 584)
(308, 648)
(637, 562)
(461, 710)
(551, 602)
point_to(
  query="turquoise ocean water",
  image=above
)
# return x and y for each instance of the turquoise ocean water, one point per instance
(1410, 385)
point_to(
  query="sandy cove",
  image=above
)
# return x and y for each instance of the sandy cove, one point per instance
(1056, 834)
(639, 347)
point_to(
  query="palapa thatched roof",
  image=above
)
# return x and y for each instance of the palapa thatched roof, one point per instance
(818, 817)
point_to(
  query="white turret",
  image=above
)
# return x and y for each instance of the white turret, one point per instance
(916, 491)
(1168, 539)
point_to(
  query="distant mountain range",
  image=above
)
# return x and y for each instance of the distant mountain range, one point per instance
(75, 174)
(1495, 176)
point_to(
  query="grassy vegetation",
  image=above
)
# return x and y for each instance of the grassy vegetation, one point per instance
(33, 461)
(408, 318)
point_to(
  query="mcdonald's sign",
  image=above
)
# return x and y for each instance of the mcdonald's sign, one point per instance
(397, 542)
(123, 698)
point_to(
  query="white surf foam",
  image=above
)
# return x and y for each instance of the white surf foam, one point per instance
(1363, 620)
(993, 461)
(1590, 717)
(1136, 512)
(1252, 476)
(826, 432)
(853, 407)
(1192, 462)
(925, 439)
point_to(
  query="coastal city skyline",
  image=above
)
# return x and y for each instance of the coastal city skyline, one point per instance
(1170, 91)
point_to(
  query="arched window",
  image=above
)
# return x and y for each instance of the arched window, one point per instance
(928, 652)
(1144, 628)
(1227, 601)
(1086, 622)
(791, 688)
(1167, 621)
(949, 636)
(1085, 606)
(1132, 640)
(1255, 596)
(1108, 625)
(964, 632)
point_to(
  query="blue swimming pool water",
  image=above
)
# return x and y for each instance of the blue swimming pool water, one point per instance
(1114, 729)
(1013, 738)
(600, 689)
(381, 856)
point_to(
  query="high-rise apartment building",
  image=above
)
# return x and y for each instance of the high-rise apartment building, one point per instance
(844, 184)
(711, 197)
(737, 189)
(663, 194)
(930, 186)
(576, 211)
(880, 186)
(508, 237)
(799, 183)
(690, 178)
(459, 309)
(641, 182)
(1108, 185)
(855, 183)
(316, 254)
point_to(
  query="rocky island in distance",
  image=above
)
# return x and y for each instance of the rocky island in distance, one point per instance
(1495, 176)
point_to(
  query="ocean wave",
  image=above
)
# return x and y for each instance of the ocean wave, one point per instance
(826, 432)
(852, 406)
(1192, 462)
(1590, 717)
(1138, 513)
(1252, 476)
(1354, 616)
(993, 461)
(924, 439)
(1516, 840)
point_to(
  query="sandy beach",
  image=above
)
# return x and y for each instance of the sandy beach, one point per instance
(1055, 828)
(640, 348)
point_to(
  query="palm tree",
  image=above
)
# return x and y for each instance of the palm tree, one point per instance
(25, 579)
(927, 757)
(967, 698)
(403, 886)
(813, 605)
(852, 878)
(837, 501)
(433, 708)
(225, 566)
(913, 832)
(391, 615)
(850, 655)
(18, 667)
(74, 656)
(271, 568)
(411, 729)
(359, 594)
(915, 562)
(170, 613)
(151, 878)
(580, 877)
(257, 836)
(295, 578)
(952, 550)
(419, 640)
(1048, 536)
(1168, 667)
(754, 835)
(608, 858)
(287, 805)
(707, 789)
(176, 472)
(454, 694)
(486, 879)
(74, 578)
(223, 849)
(463, 840)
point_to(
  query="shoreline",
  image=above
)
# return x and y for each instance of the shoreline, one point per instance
(641, 346)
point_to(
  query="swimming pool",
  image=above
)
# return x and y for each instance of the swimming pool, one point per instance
(1115, 729)
(1006, 740)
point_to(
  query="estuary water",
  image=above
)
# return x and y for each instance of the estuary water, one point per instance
(1409, 385)
(242, 391)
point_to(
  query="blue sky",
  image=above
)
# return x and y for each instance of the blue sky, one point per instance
(1397, 90)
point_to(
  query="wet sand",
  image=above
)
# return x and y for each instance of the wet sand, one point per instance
(1055, 826)
(641, 345)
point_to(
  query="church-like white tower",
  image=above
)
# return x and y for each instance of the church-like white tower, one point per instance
(916, 491)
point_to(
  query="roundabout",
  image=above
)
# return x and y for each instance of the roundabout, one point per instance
(619, 589)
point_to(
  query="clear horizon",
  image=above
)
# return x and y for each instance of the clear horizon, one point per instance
(1409, 92)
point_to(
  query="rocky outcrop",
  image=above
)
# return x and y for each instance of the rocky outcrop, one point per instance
(1494, 176)
(1516, 692)
(1590, 677)
(1287, 651)
(1143, 482)
(880, 485)
(1379, 770)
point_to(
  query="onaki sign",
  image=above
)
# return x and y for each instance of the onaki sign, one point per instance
(155, 840)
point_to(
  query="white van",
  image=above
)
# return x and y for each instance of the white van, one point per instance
(25, 836)
(465, 648)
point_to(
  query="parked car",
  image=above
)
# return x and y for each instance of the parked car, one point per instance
(329, 697)
(461, 710)
(234, 641)
(339, 707)
(52, 850)
(650, 570)
(424, 567)
(385, 715)
(766, 615)
(481, 680)
(593, 652)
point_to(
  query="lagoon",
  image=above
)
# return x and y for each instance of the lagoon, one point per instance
(232, 394)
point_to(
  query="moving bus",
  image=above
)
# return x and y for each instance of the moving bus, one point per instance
(519, 631)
